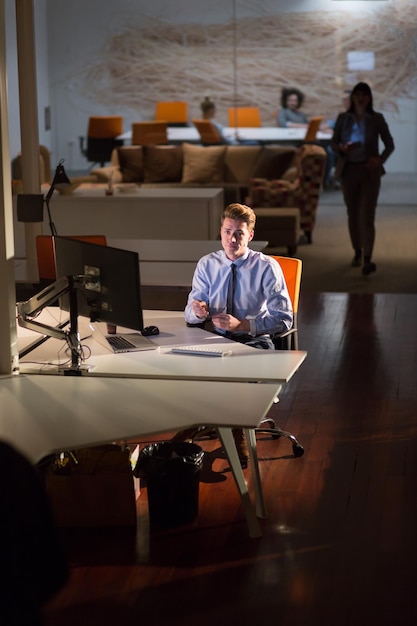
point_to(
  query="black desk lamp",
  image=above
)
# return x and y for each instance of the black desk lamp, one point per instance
(60, 180)
(30, 205)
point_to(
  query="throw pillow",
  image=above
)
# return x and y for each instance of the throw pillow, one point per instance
(162, 164)
(203, 164)
(131, 163)
(272, 163)
(266, 193)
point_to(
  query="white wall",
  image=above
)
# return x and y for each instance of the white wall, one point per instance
(116, 58)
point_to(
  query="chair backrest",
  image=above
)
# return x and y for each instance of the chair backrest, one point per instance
(209, 134)
(105, 126)
(244, 117)
(44, 166)
(46, 256)
(292, 270)
(312, 128)
(172, 112)
(149, 133)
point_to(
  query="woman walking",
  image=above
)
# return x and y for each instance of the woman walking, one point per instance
(360, 167)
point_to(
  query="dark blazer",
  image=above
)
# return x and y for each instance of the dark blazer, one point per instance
(375, 128)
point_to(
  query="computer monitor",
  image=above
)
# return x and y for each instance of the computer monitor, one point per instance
(113, 293)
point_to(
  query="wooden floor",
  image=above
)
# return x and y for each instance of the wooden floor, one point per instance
(339, 544)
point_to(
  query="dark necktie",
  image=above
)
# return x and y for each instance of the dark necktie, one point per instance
(231, 290)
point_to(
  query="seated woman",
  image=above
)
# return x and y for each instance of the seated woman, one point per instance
(208, 110)
(289, 116)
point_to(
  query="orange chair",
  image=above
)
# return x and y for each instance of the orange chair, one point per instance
(248, 117)
(209, 134)
(149, 133)
(175, 113)
(102, 134)
(313, 128)
(292, 269)
(46, 256)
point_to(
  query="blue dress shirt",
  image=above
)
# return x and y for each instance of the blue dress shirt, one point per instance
(260, 296)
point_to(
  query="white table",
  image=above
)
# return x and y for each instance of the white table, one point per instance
(272, 134)
(169, 263)
(263, 134)
(182, 390)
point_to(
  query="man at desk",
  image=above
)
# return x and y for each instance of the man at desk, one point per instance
(241, 292)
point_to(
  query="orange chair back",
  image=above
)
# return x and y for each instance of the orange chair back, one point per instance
(244, 117)
(208, 132)
(46, 255)
(313, 128)
(105, 126)
(175, 112)
(292, 269)
(149, 133)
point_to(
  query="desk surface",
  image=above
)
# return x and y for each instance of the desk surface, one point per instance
(90, 191)
(161, 250)
(145, 393)
(245, 364)
(263, 134)
(171, 263)
(40, 414)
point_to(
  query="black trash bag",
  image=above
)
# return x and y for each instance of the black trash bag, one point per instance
(171, 470)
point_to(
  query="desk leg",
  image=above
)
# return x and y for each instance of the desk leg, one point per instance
(229, 446)
(254, 464)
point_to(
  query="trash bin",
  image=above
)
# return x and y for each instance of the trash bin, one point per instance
(172, 473)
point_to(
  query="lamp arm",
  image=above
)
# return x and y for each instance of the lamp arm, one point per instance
(51, 224)
(50, 192)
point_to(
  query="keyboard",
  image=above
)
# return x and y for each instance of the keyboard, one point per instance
(201, 351)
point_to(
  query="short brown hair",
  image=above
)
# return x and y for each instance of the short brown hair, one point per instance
(207, 105)
(241, 212)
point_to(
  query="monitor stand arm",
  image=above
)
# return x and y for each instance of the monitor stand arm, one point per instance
(30, 308)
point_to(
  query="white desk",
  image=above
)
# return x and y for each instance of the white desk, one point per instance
(43, 414)
(263, 134)
(246, 364)
(182, 390)
(163, 262)
(169, 263)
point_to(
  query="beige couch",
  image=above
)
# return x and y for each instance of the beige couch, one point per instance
(229, 167)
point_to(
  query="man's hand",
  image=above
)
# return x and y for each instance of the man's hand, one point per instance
(226, 322)
(200, 309)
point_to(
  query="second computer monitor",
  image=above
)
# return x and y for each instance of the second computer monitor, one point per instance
(113, 294)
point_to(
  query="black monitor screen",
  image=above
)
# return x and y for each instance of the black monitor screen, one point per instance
(113, 295)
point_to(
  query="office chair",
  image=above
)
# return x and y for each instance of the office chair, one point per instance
(46, 256)
(209, 134)
(101, 138)
(248, 117)
(149, 133)
(287, 340)
(313, 128)
(175, 113)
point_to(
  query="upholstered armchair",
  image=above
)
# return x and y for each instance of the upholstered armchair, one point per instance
(302, 192)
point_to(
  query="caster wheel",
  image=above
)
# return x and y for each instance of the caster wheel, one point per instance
(298, 450)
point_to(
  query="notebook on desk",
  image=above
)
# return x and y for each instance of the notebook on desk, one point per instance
(130, 342)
